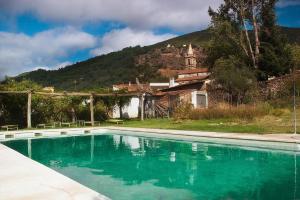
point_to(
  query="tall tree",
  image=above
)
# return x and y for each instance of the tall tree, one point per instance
(254, 28)
(276, 57)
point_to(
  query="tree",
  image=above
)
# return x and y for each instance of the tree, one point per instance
(109, 103)
(146, 73)
(240, 14)
(253, 32)
(122, 101)
(296, 56)
(235, 78)
(45, 109)
(225, 42)
(275, 58)
(13, 106)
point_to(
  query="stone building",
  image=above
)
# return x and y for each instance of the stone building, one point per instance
(190, 58)
(187, 85)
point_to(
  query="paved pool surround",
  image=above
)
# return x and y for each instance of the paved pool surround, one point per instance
(23, 178)
(286, 142)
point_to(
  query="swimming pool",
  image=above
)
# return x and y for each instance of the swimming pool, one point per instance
(123, 167)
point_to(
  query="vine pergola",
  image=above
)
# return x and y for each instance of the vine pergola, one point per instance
(80, 94)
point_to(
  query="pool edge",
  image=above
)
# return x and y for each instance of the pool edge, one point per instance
(271, 141)
(24, 178)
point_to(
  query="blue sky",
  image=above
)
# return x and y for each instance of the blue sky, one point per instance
(54, 33)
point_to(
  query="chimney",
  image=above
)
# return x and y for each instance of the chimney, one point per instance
(172, 82)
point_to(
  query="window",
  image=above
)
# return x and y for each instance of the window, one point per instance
(201, 101)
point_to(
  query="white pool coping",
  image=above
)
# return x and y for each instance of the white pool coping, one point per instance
(22, 178)
(23, 134)
(287, 142)
(261, 137)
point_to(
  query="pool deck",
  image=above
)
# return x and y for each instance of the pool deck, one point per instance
(286, 142)
(288, 138)
(22, 178)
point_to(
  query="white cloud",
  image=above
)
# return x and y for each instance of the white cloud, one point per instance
(142, 14)
(54, 67)
(286, 3)
(45, 50)
(20, 52)
(61, 65)
(121, 38)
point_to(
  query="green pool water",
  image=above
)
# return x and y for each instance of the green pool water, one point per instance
(138, 168)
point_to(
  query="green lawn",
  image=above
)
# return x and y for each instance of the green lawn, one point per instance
(263, 125)
(272, 123)
(197, 125)
(277, 121)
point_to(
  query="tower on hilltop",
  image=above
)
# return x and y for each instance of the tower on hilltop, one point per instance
(190, 58)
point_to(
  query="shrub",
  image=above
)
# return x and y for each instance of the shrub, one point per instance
(240, 112)
(182, 111)
(222, 111)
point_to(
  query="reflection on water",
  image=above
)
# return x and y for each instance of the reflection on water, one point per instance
(127, 167)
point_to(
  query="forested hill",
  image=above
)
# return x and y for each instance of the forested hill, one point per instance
(121, 66)
(201, 37)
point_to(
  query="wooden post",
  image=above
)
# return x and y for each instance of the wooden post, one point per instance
(169, 106)
(29, 110)
(142, 107)
(29, 148)
(92, 147)
(92, 109)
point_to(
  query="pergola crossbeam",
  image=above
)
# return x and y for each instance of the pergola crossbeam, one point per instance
(81, 94)
(71, 93)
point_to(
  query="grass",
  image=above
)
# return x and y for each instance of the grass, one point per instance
(280, 121)
(196, 125)
(261, 125)
(276, 121)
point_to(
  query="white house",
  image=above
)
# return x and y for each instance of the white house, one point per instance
(132, 109)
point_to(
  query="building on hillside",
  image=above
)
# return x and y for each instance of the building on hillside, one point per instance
(132, 110)
(186, 85)
(188, 75)
(190, 58)
(189, 85)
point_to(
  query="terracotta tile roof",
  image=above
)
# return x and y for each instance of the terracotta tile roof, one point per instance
(193, 71)
(158, 87)
(159, 93)
(183, 87)
(193, 78)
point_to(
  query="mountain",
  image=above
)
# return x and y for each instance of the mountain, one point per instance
(129, 63)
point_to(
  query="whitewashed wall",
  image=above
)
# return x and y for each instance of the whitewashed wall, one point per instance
(129, 111)
(194, 99)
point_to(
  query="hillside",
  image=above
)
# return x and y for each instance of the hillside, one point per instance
(129, 63)
(100, 71)
(200, 38)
